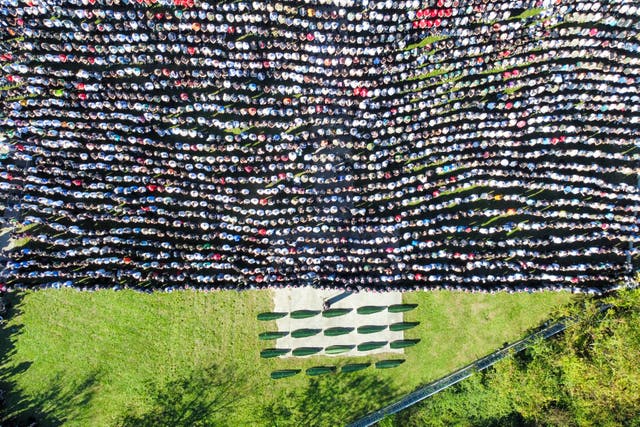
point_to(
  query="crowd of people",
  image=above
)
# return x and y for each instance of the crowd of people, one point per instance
(363, 145)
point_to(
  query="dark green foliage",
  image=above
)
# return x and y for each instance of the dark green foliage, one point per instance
(306, 351)
(371, 345)
(270, 316)
(274, 352)
(333, 332)
(371, 309)
(303, 333)
(337, 349)
(303, 314)
(354, 367)
(402, 326)
(321, 370)
(285, 373)
(272, 335)
(389, 363)
(400, 308)
(371, 329)
(335, 312)
(403, 343)
(587, 376)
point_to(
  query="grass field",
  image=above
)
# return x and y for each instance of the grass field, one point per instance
(80, 358)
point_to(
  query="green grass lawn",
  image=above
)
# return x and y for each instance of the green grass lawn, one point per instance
(82, 358)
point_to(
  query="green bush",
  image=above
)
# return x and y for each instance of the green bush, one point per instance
(271, 316)
(371, 345)
(303, 333)
(353, 367)
(303, 314)
(371, 329)
(306, 351)
(389, 363)
(320, 370)
(334, 332)
(274, 352)
(276, 375)
(399, 308)
(371, 309)
(272, 335)
(402, 326)
(337, 349)
(335, 312)
(403, 343)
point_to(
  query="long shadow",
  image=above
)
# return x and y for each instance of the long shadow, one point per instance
(59, 401)
(204, 397)
(331, 400)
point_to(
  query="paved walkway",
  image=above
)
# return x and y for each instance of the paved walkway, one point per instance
(307, 298)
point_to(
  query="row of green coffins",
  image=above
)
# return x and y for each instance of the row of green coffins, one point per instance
(335, 312)
(337, 349)
(333, 332)
(321, 370)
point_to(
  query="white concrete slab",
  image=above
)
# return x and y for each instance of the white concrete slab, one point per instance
(307, 298)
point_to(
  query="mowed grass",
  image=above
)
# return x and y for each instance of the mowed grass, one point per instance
(88, 358)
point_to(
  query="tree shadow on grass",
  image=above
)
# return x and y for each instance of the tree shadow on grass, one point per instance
(204, 397)
(59, 401)
(331, 400)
